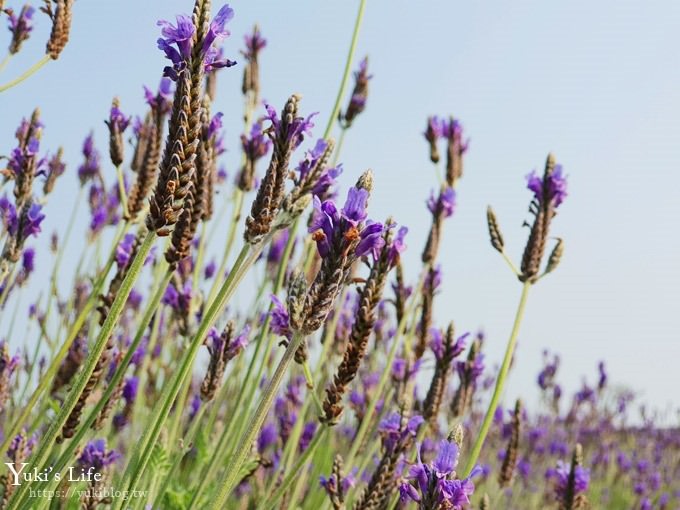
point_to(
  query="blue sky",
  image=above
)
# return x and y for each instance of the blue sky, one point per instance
(597, 83)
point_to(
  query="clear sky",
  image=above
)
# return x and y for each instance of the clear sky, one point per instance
(597, 83)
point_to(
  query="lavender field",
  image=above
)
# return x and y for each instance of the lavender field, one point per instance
(223, 292)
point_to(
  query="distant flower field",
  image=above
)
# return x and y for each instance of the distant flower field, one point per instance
(160, 380)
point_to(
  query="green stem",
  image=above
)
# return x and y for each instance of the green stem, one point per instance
(231, 477)
(161, 410)
(47, 379)
(188, 440)
(30, 72)
(74, 442)
(5, 61)
(121, 190)
(296, 471)
(79, 384)
(338, 146)
(264, 334)
(219, 275)
(348, 66)
(500, 381)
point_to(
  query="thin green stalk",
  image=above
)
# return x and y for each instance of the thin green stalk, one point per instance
(296, 470)
(188, 440)
(81, 380)
(264, 333)
(5, 61)
(8, 286)
(338, 146)
(74, 442)
(48, 377)
(230, 479)
(121, 190)
(348, 66)
(219, 275)
(30, 72)
(500, 381)
(161, 410)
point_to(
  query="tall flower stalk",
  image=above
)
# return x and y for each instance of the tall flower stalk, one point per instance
(549, 190)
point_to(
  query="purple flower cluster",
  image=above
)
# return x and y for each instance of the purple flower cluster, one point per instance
(444, 202)
(20, 26)
(551, 187)
(95, 455)
(295, 130)
(177, 42)
(436, 485)
(331, 226)
(90, 168)
(392, 432)
(559, 475)
(326, 179)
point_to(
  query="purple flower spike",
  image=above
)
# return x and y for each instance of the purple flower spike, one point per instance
(280, 320)
(447, 458)
(8, 215)
(180, 35)
(95, 455)
(446, 202)
(552, 187)
(90, 167)
(254, 43)
(217, 32)
(118, 120)
(297, 129)
(32, 220)
(20, 26)
(130, 389)
(398, 246)
(328, 225)
(124, 250)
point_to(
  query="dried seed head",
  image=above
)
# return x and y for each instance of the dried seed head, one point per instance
(357, 345)
(468, 373)
(494, 230)
(287, 133)
(458, 435)
(573, 497)
(61, 17)
(177, 168)
(357, 102)
(555, 256)
(55, 168)
(251, 73)
(435, 393)
(117, 123)
(297, 289)
(366, 181)
(507, 471)
(218, 362)
(146, 159)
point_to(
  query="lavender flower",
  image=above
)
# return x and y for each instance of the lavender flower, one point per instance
(445, 202)
(124, 250)
(160, 101)
(330, 225)
(436, 483)
(95, 455)
(90, 168)
(280, 322)
(177, 42)
(20, 26)
(551, 188)
(117, 124)
(357, 102)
